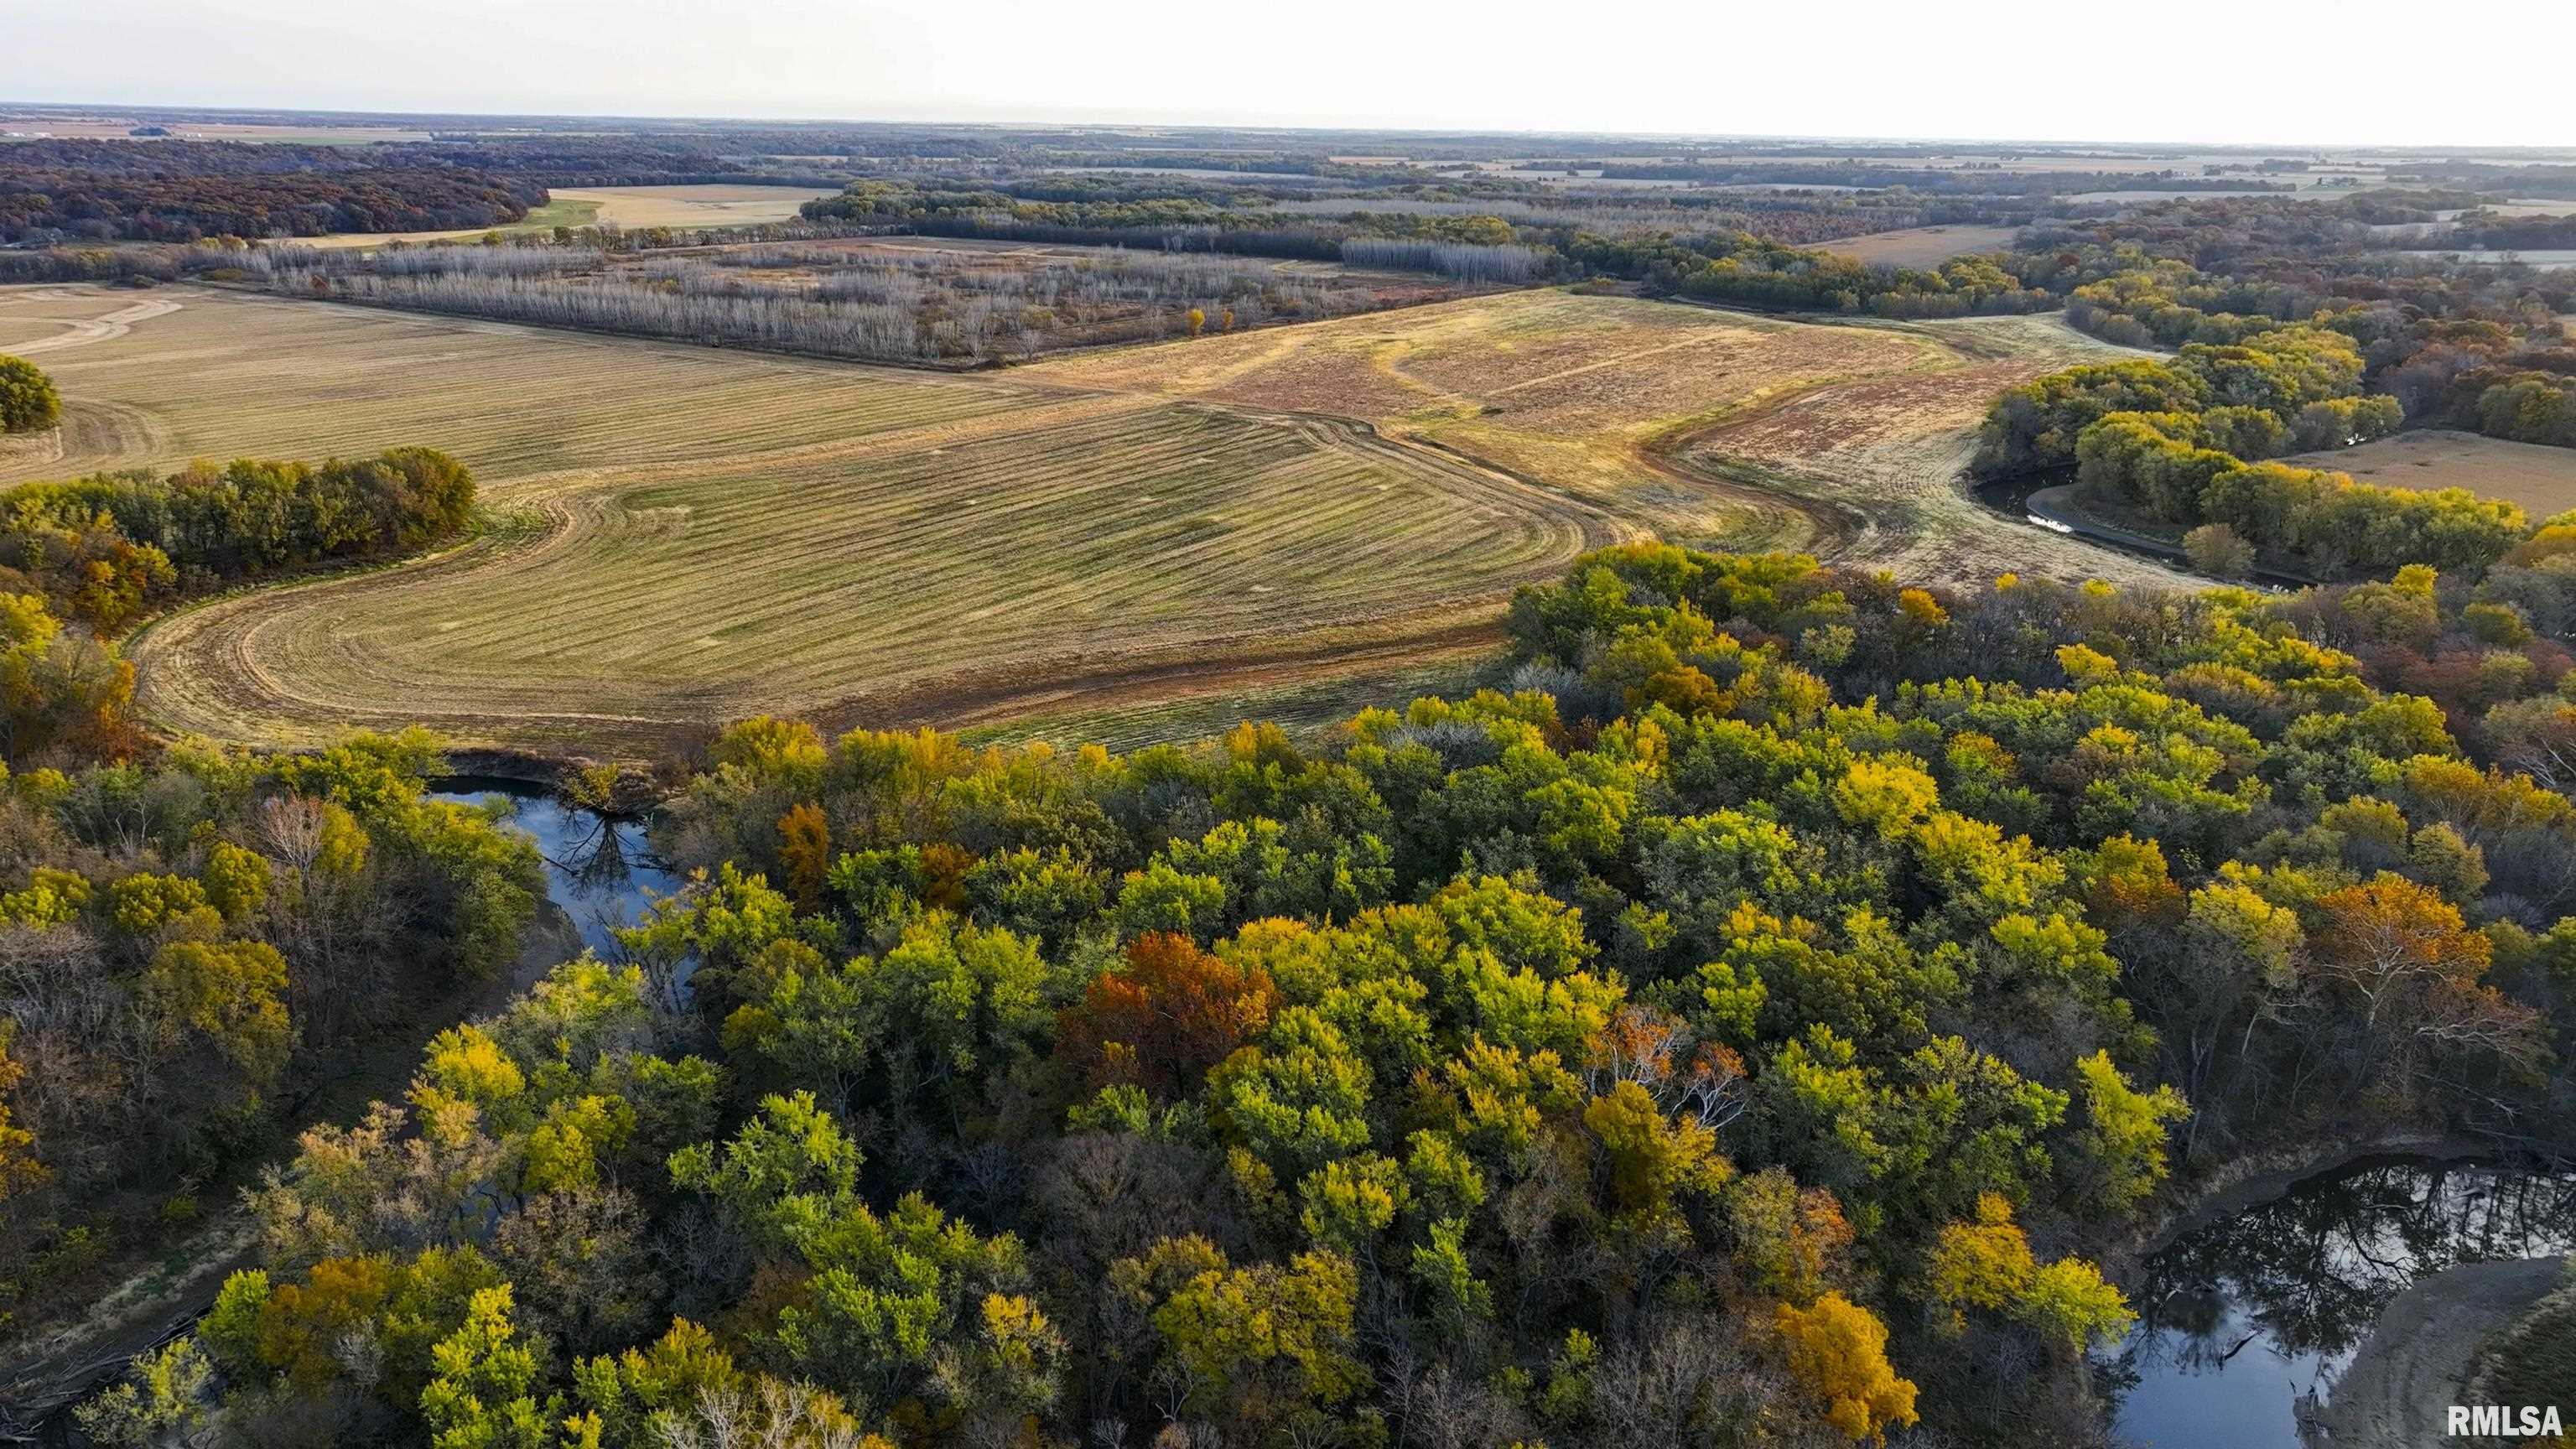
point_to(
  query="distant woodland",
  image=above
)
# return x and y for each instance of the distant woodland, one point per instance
(878, 304)
(70, 191)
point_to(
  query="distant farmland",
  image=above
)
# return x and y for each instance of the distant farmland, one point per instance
(622, 206)
(688, 535)
(692, 206)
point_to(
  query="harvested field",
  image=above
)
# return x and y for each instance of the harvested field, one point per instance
(2541, 479)
(1567, 389)
(1880, 460)
(1923, 246)
(696, 535)
(1105, 542)
(227, 374)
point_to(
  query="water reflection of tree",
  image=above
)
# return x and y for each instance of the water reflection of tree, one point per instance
(2310, 1272)
(590, 850)
(600, 856)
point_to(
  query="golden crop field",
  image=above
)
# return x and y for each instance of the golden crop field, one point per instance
(689, 535)
(623, 206)
(700, 534)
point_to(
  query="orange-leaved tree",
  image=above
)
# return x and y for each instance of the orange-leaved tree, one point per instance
(2400, 953)
(1169, 1013)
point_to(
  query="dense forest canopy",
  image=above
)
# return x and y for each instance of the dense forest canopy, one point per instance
(1734, 1024)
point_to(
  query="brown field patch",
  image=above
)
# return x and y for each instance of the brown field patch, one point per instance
(692, 206)
(1567, 389)
(2540, 479)
(1885, 458)
(1923, 246)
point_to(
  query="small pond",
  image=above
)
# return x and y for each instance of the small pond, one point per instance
(2243, 1321)
(599, 868)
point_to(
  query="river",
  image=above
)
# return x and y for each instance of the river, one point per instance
(2241, 1321)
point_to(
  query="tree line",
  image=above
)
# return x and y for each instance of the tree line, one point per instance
(2184, 442)
(103, 550)
(923, 307)
(2460, 344)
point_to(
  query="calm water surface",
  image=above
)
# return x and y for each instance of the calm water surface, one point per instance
(599, 868)
(2240, 1322)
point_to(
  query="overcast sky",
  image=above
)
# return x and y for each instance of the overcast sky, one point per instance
(2251, 71)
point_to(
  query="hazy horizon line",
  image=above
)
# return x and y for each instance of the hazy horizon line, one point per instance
(1106, 120)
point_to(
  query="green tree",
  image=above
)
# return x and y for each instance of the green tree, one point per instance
(485, 1393)
(1268, 1346)
(166, 1392)
(27, 398)
(2121, 1139)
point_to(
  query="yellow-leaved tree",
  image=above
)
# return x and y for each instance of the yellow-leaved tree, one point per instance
(1838, 1352)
